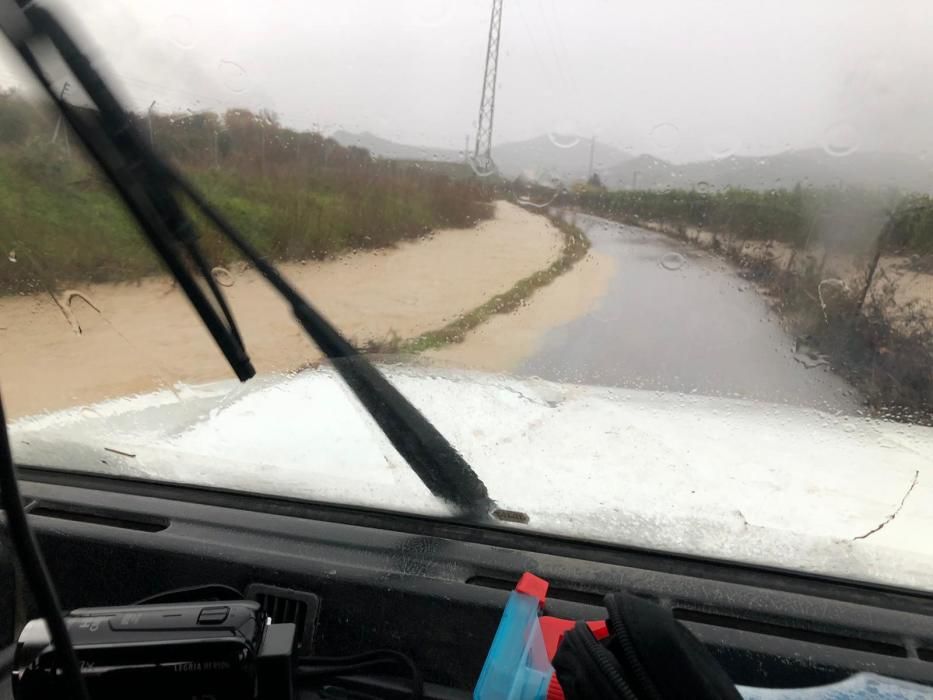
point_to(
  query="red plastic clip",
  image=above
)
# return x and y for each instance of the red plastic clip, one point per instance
(529, 584)
(554, 628)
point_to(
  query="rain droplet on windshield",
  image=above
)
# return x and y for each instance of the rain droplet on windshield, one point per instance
(179, 30)
(433, 14)
(234, 76)
(222, 276)
(665, 136)
(841, 139)
(721, 145)
(482, 169)
(672, 261)
(563, 140)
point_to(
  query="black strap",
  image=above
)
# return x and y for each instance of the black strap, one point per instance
(648, 656)
(587, 670)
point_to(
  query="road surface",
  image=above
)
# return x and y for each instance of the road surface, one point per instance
(676, 318)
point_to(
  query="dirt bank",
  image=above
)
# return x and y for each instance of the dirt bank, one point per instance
(911, 286)
(138, 337)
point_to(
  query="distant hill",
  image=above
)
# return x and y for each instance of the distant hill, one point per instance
(814, 168)
(562, 157)
(566, 159)
(383, 148)
(545, 158)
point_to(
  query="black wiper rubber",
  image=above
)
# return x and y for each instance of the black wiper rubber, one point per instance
(137, 174)
(436, 462)
(147, 184)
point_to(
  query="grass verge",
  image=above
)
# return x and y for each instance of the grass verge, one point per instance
(575, 247)
(295, 195)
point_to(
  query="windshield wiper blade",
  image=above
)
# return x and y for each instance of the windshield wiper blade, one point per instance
(148, 185)
(135, 172)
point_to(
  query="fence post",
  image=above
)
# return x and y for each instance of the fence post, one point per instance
(879, 248)
(149, 120)
(60, 123)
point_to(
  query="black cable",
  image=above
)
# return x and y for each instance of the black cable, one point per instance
(336, 669)
(342, 693)
(624, 639)
(340, 665)
(602, 659)
(37, 575)
(193, 594)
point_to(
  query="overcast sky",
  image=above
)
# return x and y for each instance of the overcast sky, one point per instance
(682, 80)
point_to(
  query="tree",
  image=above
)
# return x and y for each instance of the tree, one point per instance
(595, 182)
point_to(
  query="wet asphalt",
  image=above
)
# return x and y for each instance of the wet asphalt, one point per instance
(677, 318)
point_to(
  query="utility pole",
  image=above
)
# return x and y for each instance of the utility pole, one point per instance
(466, 149)
(482, 156)
(589, 173)
(149, 119)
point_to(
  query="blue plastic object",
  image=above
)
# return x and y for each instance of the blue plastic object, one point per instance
(517, 667)
(861, 686)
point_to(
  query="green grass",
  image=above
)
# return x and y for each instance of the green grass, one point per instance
(575, 247)
(296, 195)
(61, 227)
(66, 225)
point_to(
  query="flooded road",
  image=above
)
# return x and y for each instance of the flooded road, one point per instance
(676, 318)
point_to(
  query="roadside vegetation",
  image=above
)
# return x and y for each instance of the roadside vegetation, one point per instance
(297, 195)
(849, 218)
(574, 249)
(846, 268)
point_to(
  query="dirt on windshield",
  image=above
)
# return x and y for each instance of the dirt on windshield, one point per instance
(107, 340)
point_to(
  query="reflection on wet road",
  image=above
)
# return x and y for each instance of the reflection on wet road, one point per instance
(679, 319)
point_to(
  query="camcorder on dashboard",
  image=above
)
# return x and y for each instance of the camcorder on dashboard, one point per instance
(210, 651)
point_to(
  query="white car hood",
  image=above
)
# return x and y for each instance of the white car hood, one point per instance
(730, 479)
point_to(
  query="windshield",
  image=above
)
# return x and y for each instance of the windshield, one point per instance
(662, 274)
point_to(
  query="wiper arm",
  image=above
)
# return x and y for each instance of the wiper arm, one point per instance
(135, 172)
(148, 186)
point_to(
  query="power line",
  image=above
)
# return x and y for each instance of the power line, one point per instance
(583, 96)
(545, 69)
(558, 61)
